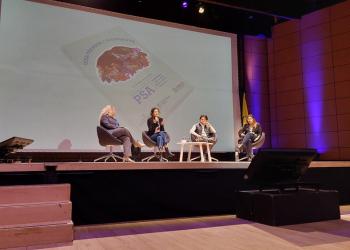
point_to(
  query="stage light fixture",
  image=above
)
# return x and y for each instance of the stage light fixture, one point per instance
(201, 9)
(184, 4)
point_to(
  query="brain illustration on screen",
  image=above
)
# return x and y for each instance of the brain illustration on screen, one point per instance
(120, 63)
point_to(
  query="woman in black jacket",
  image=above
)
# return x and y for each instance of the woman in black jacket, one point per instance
(250, 132)
(156, 131)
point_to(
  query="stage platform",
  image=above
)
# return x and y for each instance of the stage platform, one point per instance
(113, 192)
(100, 166)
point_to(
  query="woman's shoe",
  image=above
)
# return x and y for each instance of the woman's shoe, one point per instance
(250, 158)
(139, 144)
(127, 159)
(159, 154)
(169, 154)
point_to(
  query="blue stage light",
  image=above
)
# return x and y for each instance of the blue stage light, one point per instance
(184, 4)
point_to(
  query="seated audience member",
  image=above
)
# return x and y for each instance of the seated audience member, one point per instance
(110, 123)
(203, 131)
(157, 132)
(250, 133)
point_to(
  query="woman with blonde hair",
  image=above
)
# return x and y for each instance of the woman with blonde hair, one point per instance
(250, 132)
(109, 121)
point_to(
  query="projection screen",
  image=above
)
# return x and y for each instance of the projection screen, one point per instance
(55, 75)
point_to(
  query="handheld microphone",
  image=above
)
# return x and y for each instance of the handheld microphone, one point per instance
(157, 121)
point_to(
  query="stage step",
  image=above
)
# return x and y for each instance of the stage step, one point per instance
(34, 193)
(35, 215)
(36, 235)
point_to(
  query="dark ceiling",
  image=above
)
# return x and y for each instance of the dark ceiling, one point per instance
(252, 17)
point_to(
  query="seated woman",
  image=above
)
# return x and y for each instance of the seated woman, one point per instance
(250, 132)
(110, 123)
(203, 131)
(157, 132)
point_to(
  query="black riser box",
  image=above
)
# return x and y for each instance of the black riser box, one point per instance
(288, 207)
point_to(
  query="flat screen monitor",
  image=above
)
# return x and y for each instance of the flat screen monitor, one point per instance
(274, 166)
(12, 144)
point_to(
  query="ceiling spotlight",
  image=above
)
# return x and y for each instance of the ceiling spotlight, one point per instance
(201, 9)
(184, 4)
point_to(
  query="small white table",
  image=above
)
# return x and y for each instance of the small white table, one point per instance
(190, 144)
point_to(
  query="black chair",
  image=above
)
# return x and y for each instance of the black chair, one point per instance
(152, 144)
(108, 140)
(257, 143)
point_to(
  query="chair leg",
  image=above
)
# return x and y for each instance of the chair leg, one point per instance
(214, 159)
(155, 156)
(102, 158)
(105, 158)
(198, 157)
(163, 158)
(155, 150)
(148, 158)
(111, 155)
(195, 158)
(243, 158)
(117, 157)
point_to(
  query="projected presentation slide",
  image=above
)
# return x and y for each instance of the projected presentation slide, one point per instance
(60, 65)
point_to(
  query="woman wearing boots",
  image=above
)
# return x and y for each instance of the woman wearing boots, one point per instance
(156, 131)
(250, 132)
